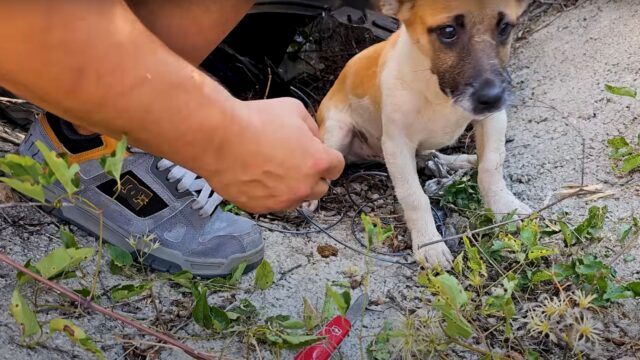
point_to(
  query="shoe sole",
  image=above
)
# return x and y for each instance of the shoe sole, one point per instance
(157, 260)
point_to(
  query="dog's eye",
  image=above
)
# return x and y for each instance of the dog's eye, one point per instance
(447, 33)
(504, 30)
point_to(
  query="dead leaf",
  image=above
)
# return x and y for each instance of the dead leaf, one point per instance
(600, 196)
(514, 356)
(327, 251)
(6, 194)
(378, 301)
(356, 282)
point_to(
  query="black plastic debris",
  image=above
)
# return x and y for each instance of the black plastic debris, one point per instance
(295, 48)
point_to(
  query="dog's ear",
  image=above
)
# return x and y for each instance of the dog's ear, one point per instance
(398, 8)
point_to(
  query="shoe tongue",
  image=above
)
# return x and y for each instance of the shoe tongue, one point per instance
(70, 131)
(71, 140)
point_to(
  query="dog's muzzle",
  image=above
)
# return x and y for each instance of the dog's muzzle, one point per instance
(489, 96)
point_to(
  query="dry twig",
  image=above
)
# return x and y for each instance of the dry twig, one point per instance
(88, 304)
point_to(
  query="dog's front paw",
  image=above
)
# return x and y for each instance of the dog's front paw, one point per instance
(432, 255)
(309, 206)
(503, 205)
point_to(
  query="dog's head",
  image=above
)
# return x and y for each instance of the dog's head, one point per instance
(467, 43)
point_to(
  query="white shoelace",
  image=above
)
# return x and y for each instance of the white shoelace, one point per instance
(207, 199)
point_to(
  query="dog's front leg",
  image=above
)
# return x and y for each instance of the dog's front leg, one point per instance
(400, 157)
(490, 139)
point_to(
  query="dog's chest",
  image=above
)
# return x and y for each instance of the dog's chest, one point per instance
(436, 127)
(427, 124)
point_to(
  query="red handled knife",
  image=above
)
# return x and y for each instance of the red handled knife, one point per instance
(335, 332)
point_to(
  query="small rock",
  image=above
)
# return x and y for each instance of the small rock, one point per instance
(327, 251)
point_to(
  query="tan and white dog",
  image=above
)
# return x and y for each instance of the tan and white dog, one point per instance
(417, 91)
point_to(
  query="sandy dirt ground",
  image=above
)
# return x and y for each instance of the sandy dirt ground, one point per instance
(559, 73)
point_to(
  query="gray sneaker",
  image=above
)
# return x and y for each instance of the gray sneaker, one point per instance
(157, 198)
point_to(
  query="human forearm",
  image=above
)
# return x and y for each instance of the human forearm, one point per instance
(96, 65)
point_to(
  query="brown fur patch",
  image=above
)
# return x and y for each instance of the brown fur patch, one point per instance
(477, 49)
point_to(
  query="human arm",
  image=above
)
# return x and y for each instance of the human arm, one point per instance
(95, 64)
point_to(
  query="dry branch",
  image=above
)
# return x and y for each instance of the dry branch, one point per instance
(87, 304)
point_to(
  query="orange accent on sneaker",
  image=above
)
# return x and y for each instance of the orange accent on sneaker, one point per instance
(108, 145)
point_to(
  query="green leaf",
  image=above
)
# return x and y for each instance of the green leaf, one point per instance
(24, 168)
(384, 232)
(237, 274)
(231, 208)
(474, 262)
(618, 293)
(112, 165)
(591, 227)
(24, 278)
(368, 229)
(532, 355)
(634, 287)
(273, 339)
(501, 302)
(620, 148)
(329, 307)
(624, 232)
(457, 326)
(463, 194)
(277, 320)
(310, 315)
(201, 312)
(618, 142)
(66, 174)
(78, 256)
(68, 239)
(566, 233)
(264, 275)
(630, 163)
(119, 256)
(23, 315)
(529, 233)
(246, 309)
(220, 318)
(184, 278)
(538, 276)
(380, 347)
(563, 271)
(342, 300)
(34, 191)
(423, 278)
(621, 90)
(76, 335)
(296, 341)
(538, 251)
(84, 292)
(128, 291)
(54, 263)
(293, 324)
(451, 291)
(458, 264)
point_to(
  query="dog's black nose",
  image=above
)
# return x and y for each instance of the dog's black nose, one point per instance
(488, 96)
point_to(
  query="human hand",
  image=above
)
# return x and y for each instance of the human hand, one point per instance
(276, 159)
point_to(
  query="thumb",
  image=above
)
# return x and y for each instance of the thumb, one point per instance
(335, 164)
(311, 124)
